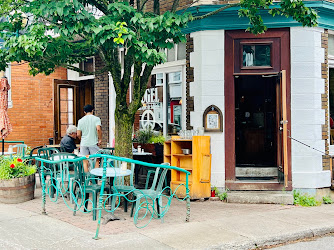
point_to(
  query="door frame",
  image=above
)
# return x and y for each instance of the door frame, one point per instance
(282, 62)
(83, 94)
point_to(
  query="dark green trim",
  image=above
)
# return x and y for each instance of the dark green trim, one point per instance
(229, 19)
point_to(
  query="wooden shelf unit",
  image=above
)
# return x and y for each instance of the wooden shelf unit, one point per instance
(198, 163)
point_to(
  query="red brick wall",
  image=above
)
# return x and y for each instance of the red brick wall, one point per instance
(32, 113)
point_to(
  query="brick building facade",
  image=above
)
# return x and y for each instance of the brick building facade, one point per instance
(31, 114)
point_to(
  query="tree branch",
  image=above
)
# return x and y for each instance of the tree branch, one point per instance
(175, 5)
(216, 11)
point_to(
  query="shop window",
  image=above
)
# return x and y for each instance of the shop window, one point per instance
(152, 113)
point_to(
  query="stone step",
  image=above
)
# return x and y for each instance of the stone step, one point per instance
(260, 197)
(256, 172)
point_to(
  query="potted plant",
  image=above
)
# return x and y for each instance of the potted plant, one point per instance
(17, 180)
(142, 138)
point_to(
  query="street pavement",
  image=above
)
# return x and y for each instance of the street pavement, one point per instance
(323, 243)
(213, 225)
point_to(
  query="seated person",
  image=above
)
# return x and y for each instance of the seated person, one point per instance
(68, 141)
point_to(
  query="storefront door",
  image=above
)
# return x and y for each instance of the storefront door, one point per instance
(257, 152)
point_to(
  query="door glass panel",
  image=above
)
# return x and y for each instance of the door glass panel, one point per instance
(66, 108)
(256, 55)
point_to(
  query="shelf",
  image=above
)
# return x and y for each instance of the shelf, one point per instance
(182, 155)
(168, 142)
(190, 140)
(181, 182)
(168, 155)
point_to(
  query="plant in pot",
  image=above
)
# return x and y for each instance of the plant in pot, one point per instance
(17, 180)
(142, 138)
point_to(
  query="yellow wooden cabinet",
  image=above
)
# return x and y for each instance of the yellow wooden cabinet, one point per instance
(198, 163)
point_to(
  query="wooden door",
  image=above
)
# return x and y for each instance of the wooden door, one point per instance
(282, 134)
(69, 99)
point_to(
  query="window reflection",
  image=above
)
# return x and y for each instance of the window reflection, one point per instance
(256, 55)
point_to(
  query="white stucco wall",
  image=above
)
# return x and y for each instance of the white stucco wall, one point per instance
(208, 89)
(307, 116)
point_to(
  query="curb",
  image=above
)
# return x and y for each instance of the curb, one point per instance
(275, 240)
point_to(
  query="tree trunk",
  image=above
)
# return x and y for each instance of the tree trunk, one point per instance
(123, 135)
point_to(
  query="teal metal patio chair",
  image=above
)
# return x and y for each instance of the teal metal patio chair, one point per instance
(85, 184)
(61, 173)
(120, 187)
(20, 150)
(154, 194)
(45, 153)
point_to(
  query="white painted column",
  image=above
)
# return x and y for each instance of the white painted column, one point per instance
(112, 106)
(307, 116)
(208, 89)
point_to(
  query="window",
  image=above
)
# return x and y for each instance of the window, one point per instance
(331, 45)
(87, 65)
(256, 55)
(175, 77)
(162, 105)
(178, 52)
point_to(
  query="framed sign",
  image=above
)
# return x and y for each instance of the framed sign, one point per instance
(212, 119)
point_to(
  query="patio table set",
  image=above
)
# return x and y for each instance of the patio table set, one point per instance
(62, 176)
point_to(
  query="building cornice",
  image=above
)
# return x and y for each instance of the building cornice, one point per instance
(229, 19)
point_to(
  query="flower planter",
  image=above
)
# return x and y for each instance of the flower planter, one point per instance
(17, 190)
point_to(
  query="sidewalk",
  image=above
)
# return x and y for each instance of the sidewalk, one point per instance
(213, 224)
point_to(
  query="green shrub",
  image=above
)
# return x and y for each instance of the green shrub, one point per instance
(157, 139)
(143, 136)
(304, 200)
(15, 168)
(327, 200)
(222, 195)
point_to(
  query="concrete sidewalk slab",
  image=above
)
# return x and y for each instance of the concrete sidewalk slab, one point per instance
(213, 224)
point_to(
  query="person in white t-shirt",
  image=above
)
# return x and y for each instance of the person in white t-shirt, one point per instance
(89, 132)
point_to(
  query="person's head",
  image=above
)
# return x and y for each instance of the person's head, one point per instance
(72, 131)
(88, 108)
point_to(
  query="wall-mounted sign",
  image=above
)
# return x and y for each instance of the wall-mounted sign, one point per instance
(213, 119)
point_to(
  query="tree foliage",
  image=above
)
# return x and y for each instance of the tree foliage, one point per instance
(65, 32)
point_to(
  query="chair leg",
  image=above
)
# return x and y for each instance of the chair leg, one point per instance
(71, 190)
(76, 198)
(125, 205)
(86, 201)
(94, 198)
(133, 206)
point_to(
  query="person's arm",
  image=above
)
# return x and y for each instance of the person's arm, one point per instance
(99, 135)
(79, 134)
